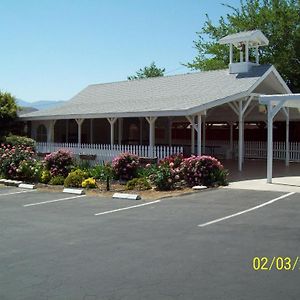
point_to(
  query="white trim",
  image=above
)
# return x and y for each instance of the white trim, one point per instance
(246, 210)
(126, 208)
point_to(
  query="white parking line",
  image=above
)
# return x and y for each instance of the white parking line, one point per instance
(246, 211)
(52, 201)
(19, 192)
(126, 208)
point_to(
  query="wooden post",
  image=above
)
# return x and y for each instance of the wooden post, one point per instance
(112, 136)
(151, 121)
(79, 123)
(192, 134)
(199, 142)
(270, 144)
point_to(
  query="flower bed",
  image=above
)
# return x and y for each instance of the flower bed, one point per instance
(59, 168)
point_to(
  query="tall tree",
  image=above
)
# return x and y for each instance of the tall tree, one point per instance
(8, 112)
(279, 20)
(151, 71)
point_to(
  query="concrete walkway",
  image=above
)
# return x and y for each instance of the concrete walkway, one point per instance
(253, 176)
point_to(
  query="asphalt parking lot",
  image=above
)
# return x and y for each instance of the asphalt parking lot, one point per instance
(56, 246)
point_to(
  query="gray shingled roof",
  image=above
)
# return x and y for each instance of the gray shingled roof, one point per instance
(169, 95)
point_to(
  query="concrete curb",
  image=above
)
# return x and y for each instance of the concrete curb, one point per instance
(27, 186)
(74, 191)
(126, 196)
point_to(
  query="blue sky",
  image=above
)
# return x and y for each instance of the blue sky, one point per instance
(51, 49)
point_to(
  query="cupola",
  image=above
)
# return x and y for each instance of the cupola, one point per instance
(244, 41)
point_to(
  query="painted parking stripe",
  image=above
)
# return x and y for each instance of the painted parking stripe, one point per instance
(19, 192)
(52, 201)
(125, 208)
(246, 211)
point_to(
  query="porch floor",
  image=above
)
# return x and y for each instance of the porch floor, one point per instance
(253, 176)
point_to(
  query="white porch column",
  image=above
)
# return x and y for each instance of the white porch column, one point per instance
(247, 52)
(120, 130)
(192, 134)
(50, 131)
(231, 138)
(91, 131)
(112, 122)
(270, 144)
(151, 121)
(241, 135)
(199, 142)
(204, 132)
(79, 123)
(256, 55)
(230, 53)
(287, 134)
(241, 56)
(170, 124)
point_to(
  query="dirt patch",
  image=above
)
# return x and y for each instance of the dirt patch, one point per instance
(119, 188)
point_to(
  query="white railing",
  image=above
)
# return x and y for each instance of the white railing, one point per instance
(106, 153)
(256, 149)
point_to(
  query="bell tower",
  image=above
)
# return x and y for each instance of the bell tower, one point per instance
(244, 41)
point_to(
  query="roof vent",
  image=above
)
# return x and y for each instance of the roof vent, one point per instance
(244, 41)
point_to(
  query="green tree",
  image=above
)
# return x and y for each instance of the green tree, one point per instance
(151, 71)
(279, 20)
(8, 112)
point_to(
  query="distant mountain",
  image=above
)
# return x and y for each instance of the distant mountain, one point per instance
(40, 105)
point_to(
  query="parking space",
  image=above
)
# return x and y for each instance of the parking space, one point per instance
(60, 246)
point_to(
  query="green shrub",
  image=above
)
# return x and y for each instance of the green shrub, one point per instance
(57, 180)
(145, 172)
(16, 140)
(168, 176)
(89, 183)
(101, 172)
(75, 178)
(140, 184)
(45, 176)
(163, 179)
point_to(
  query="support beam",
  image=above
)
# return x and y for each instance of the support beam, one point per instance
(240, 110)
(241, 135)
(270, 145)
(230, 53)
(199, 142)
(151, 121)
(192, 135)
(241, 56)
(287, 134)
(79, 123)
(112, 122)
(231, 138)
(247, 52)
(204, 132)
(50, 131)
(256, 55)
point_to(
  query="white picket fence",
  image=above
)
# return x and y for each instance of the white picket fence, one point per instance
(106, 153)
(256, 149)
